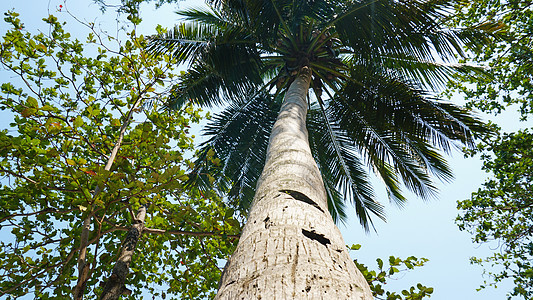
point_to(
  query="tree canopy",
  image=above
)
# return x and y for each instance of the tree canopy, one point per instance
(88, 141)
(373, 66)
(500, 210)
(507, 57)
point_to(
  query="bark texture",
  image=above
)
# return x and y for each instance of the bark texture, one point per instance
(83, 266)
(116, 284)
(290, 247)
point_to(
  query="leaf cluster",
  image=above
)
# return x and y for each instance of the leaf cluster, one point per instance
(502, 210)
(395, 266)
(88, 139)
(507, 57)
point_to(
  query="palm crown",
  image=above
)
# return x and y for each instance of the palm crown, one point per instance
(372, 63)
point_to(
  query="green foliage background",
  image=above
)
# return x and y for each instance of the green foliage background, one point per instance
(71, 100)
(501, 210)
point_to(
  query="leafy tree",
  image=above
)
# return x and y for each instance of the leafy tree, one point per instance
(131, 8)
(374, 61)
(508, 56)
(91, 166)
(501, 210)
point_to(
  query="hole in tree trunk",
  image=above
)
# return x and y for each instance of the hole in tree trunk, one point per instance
(317, 237)
(267, 222)
(301, 197)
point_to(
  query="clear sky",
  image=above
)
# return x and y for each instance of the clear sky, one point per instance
(422, 229)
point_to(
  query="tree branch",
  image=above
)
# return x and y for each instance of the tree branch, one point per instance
(46, 210)
(189, 233)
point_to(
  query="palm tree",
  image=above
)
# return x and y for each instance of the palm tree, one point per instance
(359, 73)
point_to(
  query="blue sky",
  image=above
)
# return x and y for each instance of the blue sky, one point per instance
(422, 229)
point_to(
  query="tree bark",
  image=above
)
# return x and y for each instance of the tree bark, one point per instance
(290, 247)
(116, 284)
(83, 266)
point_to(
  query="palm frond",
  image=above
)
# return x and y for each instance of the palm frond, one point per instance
(341, 168)
(427, 74)
(221, 67)
(386, 119)
(262, 17)
(185, 42)
(239, 137)
(375, 28)
(200, 85)
(207, 16)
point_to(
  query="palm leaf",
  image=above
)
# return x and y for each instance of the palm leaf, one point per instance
(376, 28)
(382, 118)
(186, 41)
(221, 70)
(427, 74)
(341, 168)
(374, 58)
(239, 137)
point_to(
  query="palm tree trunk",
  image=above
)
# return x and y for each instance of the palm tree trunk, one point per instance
(290, 247)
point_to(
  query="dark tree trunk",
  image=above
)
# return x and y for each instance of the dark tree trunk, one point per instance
(115, 285)
(84, 270)
(83, 266)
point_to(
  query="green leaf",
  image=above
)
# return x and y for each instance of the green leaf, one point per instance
(32, 102)
(78, 121)
(229, 213)
(115, 122)
(380, 263)
(355, 247)
(210, 153)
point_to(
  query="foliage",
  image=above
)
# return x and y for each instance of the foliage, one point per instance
(378, 278)
(375, 63)
(508, 57)
(502, 210)
(73, 103)
(131, 8)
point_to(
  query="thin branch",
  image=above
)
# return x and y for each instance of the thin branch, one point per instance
(18, 175)
(46, 210)
(186, 233)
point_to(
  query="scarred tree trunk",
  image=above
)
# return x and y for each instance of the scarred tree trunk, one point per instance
(116, 284)
(290, 247)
